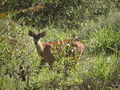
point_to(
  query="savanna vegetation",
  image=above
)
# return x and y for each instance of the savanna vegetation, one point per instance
(96, 23)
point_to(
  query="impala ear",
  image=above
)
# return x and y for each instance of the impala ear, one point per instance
(30, 33)
(42, 34)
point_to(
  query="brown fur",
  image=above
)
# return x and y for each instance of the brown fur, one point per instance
(44, 48)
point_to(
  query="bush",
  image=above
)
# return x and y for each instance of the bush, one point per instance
(59, 12)
(106, 39)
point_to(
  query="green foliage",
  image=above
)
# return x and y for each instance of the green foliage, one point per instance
(95, 22)
(60, 13)
(102, 75)
(106, 39)
(13, 55)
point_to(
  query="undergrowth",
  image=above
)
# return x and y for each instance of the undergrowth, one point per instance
(97, 69)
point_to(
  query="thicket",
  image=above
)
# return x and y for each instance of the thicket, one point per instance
(61, 12)
(94, 22)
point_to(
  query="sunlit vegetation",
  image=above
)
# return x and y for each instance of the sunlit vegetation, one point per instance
(96, 23)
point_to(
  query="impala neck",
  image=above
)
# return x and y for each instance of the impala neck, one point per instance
(40, 48)
(40, 44)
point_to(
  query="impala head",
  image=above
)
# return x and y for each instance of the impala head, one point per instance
(36, 37)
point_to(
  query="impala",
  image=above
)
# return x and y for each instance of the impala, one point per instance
(44, 48)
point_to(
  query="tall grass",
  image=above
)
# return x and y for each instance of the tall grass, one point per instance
(106, 39)
(97, 69)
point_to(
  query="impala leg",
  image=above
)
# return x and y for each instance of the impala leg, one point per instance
(51, 65)
(42, 62)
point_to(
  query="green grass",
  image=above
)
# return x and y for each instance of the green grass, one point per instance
(97, 69)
